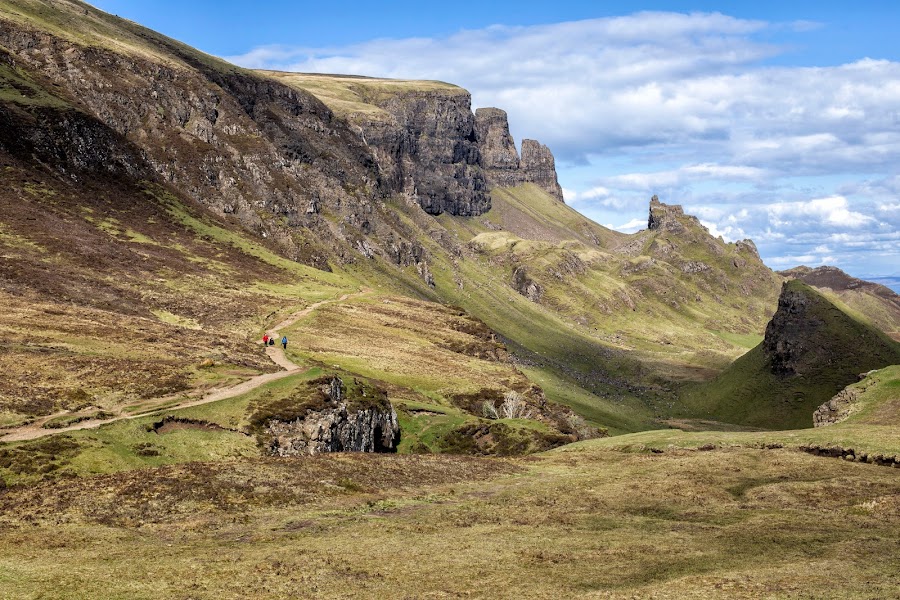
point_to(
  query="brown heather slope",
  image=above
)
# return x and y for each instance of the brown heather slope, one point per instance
(728, 523)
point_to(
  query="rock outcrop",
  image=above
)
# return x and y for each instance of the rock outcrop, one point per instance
(539, 167)
(336, 430)
(790, 334)
(342, 425)
(837, 409)
(501, 162)
(499, 156)
(669, 217)
(526, 286)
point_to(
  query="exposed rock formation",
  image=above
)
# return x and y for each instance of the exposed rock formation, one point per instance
(539, 167)
(837, 409)
(346, 426)
(437, 153)
(789, 334)
(526, 286)
(499, 156)
(669, 217)
(336, 430)
(501, 162)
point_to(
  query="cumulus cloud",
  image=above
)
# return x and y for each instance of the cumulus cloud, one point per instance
(629, 227)
(833, 211)
(686, 106)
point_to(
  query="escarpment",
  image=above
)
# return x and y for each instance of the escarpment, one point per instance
(422, 135)
(501, 162)
(268, 154)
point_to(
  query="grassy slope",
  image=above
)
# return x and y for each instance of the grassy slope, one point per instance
(729, 523)
(749, 393)
(83, 24)
(349, 95)
(879, 400)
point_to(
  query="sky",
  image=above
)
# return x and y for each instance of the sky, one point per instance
(774, 121)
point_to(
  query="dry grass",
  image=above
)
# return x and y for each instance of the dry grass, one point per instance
(349, 95)
(434, 350)
(720, 524)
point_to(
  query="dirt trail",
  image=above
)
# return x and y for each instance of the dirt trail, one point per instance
(275, 353)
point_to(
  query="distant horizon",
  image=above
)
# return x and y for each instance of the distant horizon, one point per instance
(771, 122)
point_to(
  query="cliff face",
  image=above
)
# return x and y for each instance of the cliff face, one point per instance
(790, 335)
(539, 167)
(236, 142)
(337, 429)
(499, 156)
(438, 156)
(339, 418)
(501, 162)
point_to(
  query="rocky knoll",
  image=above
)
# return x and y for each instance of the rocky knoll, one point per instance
(501, 162)
(342, 423)
(808, 334)
(811, 351)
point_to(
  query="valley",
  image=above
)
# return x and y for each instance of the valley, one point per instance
(542, 406)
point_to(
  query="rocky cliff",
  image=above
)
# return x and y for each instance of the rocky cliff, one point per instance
(501, 162)
(362, 420)
(422, 135)
(539, 167)
(241, 144)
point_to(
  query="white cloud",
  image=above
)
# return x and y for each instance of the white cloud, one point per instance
(631, 226)
(569, 195)
(656, 180)
(833, 211)
(684, 106)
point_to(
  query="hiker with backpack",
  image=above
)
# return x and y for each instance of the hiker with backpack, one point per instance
(284, 342)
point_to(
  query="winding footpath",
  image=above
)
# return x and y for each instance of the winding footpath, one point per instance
(275, 353)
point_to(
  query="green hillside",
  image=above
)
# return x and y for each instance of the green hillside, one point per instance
(828, 350)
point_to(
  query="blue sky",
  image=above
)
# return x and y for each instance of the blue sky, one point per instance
(777, 121)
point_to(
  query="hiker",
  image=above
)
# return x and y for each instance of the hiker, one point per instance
(284, 342)
(265, 339)
(271, 341)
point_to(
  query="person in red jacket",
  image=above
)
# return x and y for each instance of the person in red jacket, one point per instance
(265, 339)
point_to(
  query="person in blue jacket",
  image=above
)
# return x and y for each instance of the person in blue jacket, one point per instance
(284, 342)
